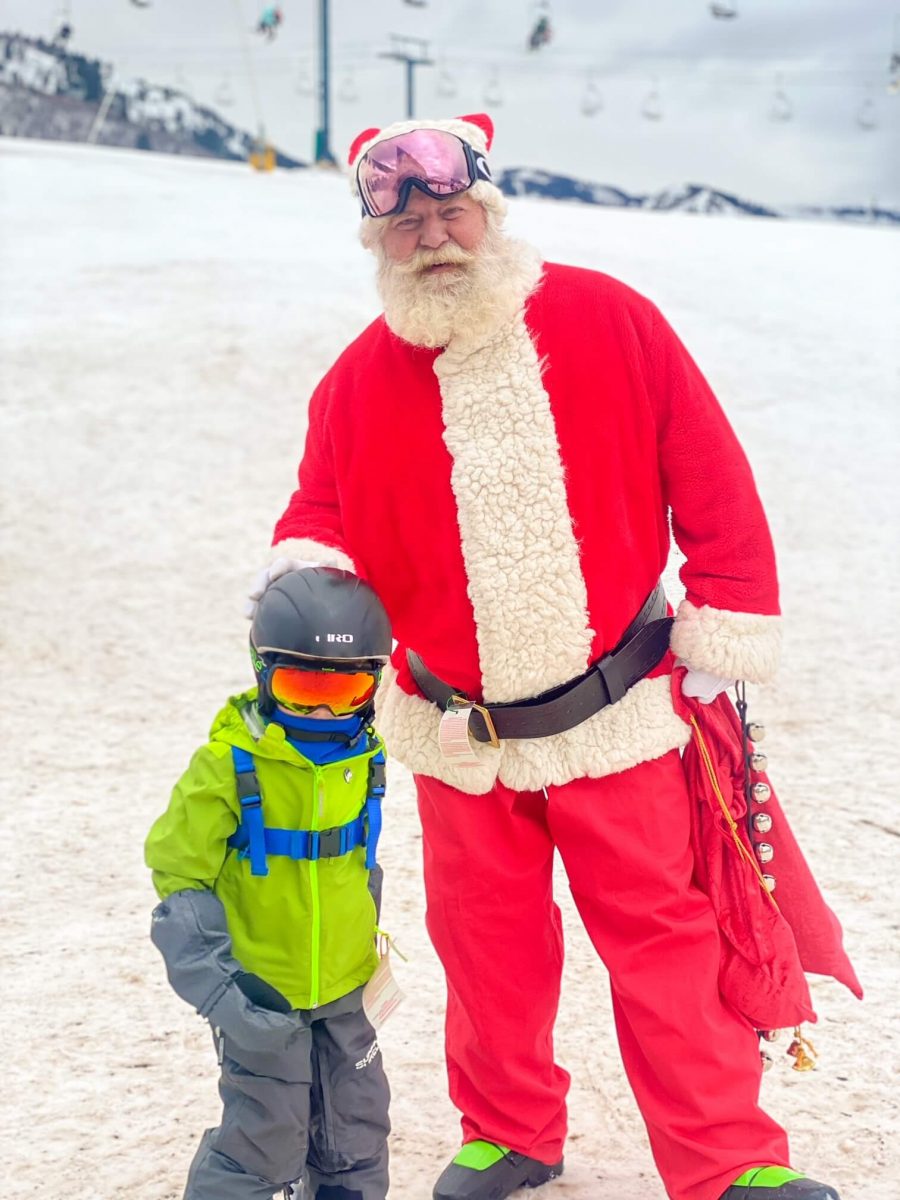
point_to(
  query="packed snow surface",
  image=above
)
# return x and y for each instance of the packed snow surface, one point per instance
(162, 323)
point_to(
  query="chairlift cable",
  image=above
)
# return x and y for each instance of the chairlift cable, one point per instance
(251, 74)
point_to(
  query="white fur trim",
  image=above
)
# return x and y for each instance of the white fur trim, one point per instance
(525, 582)
(313, 551)
(732, 645)
(642, 726)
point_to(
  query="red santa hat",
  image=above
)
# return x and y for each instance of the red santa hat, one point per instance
(476, 128)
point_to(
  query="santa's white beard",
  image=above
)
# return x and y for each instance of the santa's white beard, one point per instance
(489, 288)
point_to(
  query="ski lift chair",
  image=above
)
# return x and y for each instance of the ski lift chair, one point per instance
(651, 109)
(348, 92)
(493, 97)
(591, 100)
(867, 116)
(446, 85)
(724, 11)
(781, 109)
(224, 95)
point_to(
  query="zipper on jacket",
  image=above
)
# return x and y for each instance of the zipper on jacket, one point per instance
(315, 938)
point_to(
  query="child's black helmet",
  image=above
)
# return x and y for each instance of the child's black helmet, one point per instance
(320, 613)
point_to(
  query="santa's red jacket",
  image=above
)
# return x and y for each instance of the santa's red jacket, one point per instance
(508, 497)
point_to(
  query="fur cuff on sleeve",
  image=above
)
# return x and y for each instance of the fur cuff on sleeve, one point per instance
(307, 548)
(732, 645)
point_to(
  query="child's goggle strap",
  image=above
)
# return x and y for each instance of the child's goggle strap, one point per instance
(438, 163)
(343, 692)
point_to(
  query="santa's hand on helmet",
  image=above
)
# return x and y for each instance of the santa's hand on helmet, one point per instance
(266, 575)
(702, 685)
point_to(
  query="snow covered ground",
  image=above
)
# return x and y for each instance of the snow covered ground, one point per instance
(162, 323)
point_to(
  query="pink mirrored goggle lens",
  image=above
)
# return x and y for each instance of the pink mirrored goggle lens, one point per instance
(429, 156)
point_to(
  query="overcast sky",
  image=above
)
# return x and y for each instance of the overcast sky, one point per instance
(714, 81)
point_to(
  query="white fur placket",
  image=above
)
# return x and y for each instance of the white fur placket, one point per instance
(525, 581)
(518, 543)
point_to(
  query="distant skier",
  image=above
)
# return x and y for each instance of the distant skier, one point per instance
(270, 20)
(541, 34)
(270, 932)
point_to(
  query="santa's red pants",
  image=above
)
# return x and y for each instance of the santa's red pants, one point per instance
(692, 1061)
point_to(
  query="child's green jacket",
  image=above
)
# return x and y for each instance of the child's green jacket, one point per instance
(307, 928)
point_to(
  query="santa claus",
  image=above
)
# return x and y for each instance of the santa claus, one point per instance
(500, 455)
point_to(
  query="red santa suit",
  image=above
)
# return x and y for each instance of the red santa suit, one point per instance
(508, 497)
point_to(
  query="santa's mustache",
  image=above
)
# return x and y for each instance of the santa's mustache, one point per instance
(421, 260)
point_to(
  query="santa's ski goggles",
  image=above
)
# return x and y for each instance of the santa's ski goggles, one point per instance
(301, 691)
(436, 162)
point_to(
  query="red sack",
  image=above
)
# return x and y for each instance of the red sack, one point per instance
(768, 941)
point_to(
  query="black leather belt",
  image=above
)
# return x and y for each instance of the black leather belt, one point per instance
(640, 648)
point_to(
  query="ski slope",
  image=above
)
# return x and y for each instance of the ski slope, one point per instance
(162, 323)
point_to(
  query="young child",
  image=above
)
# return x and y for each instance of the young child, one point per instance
(265, 866)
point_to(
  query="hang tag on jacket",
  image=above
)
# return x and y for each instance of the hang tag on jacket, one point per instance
(382, 994)
(453, 736)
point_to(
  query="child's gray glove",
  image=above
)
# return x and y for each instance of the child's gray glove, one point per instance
(191, 933)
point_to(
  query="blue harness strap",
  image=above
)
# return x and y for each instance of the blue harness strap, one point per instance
(251, 811)
(373, 806)
(313, 844)
(253, 840)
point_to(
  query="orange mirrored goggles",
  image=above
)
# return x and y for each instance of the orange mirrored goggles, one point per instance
(301, 691)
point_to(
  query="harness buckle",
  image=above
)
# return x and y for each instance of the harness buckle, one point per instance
(328, 843)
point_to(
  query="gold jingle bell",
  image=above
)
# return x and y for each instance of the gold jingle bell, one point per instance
(762, 822)
(766, 1060)
(764, 851)
(758, 761)
(769, 1035)
(760, 792)
(769, 881)
(803, 1052)
(755, 731)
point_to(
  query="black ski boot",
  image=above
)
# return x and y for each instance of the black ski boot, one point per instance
(778, 1183)
(485, 1171)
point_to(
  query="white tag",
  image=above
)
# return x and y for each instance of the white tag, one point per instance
(382, 994)
(453, 737)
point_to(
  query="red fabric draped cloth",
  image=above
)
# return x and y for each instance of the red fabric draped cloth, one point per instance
(766, 946)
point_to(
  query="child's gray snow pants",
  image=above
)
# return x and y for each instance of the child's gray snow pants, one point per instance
(317, 1113)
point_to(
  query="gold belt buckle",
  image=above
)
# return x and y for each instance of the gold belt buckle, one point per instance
(462, 702)
(454, 735)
